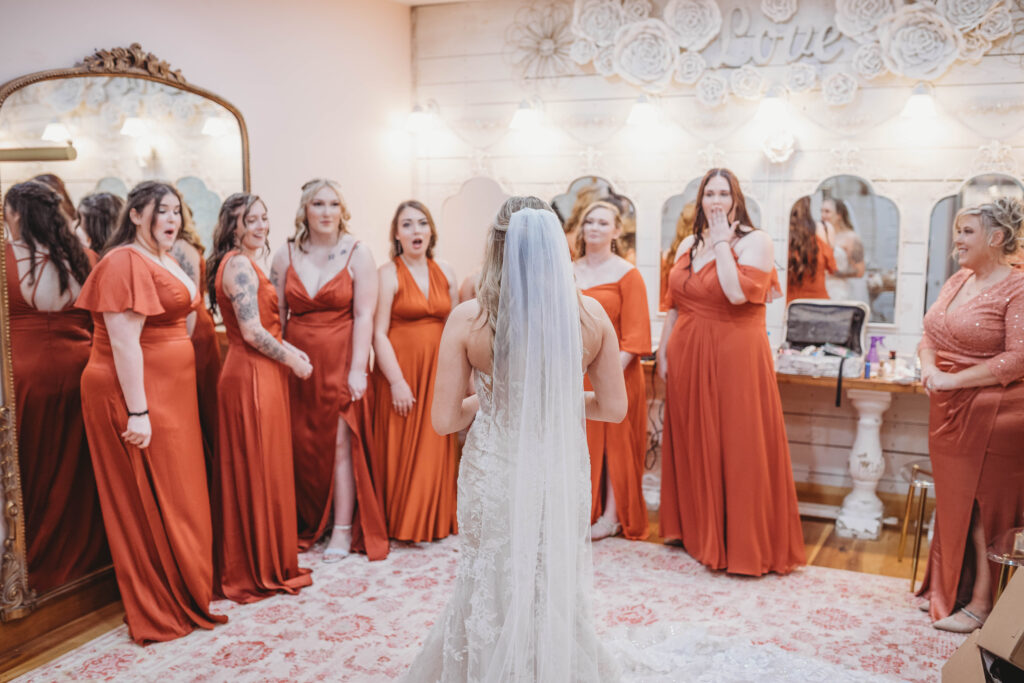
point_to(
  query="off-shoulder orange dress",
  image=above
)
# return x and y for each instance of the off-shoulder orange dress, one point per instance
(63, 523)
(156, 508)
(813, 286)
(204, 343)
(726, 482)
(621, 446)
(321, 326)
(257, 547)
(420, 466)
(974, 434)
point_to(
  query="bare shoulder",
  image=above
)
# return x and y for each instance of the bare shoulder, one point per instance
(185, 249)
(594, 308)
(465, 313)
(280, 260)
(755, 239)
(683, 247)
(448, 271)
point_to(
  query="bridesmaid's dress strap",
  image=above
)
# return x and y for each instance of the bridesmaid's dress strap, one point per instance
(290, 243)
(350, 255)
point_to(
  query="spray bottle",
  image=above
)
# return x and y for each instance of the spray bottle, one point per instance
(871, 360)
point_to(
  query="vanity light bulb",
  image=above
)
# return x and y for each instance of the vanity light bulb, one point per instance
(643, 113)
(526, 117)
(419, 120)
(772, 111)
(921, 104)
(56, 132)
(133, 127)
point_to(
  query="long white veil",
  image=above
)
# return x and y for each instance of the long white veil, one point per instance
(548, 634)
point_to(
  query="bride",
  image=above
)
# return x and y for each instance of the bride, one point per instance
(520, 609)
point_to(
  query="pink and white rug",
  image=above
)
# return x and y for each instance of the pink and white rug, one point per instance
(664, 616)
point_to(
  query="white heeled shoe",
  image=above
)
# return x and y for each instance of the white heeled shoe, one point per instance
(336, 553)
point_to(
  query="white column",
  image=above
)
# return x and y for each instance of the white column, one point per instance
(861, 513)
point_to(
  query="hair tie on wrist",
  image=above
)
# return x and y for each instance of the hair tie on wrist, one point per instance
(717, 242)
(144, 412)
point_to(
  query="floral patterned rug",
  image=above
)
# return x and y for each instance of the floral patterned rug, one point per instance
(664, 617)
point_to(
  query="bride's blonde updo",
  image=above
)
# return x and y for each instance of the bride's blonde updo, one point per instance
(1004, 216)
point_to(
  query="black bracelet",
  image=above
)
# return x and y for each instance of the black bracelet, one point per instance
(144, 412)
(717, 242)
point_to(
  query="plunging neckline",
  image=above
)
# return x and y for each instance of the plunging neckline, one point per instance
(426, 295)
(305, 290)
(189, 290)
(949, 309)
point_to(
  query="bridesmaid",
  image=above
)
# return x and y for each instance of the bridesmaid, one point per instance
(254, 488)
(327, 288)
(727, 488)
(142, 420)
(188, 252)
(416, 295)
(50, 340)
(616, 449)
(810, 255)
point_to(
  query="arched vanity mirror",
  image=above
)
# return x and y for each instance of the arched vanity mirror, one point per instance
(862, 230)
(677, 216)
(117, 118)
(980, 189)
(584, 191)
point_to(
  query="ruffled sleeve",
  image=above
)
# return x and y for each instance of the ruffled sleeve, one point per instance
(759, 286)
(635, 321)
(120, 282)
(1008, 366)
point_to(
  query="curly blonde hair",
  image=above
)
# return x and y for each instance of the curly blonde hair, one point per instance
(1005, 217)
(309, 191)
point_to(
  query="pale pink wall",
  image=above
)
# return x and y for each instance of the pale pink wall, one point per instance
(319, 82)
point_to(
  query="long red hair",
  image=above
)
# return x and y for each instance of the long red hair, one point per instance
(738, 211)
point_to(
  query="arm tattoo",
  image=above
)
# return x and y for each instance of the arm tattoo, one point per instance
(246, 304)
(179, 255)
(275, 277)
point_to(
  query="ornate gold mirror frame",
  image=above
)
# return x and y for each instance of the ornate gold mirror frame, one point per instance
(16, 599)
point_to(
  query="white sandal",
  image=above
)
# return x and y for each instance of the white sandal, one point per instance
(603, 528)
(954, 625)
(332, 555)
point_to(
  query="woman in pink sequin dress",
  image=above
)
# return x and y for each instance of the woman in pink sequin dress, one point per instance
(972, 364)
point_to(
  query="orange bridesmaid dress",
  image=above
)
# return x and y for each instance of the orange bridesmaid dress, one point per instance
(155, 504)
(726, 483)
(49, 351)
(321, 326)
(256, 545)
(420, 466)
(622, 446)
(204, 343)
(813, 287)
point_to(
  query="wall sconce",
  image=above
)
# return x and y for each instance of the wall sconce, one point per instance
(137, 128)
(773, 114)
(921, 104)
(422, 118)
(214, 126)
(56, 132)
(528, 116)
(645, 112)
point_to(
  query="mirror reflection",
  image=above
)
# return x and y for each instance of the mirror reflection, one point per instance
(57, 218)
(678, 214)
(859, 230)
(981, 189)
(572, 208)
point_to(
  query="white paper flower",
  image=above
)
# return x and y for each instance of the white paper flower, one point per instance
(975, 47)
(690, 67)
(583, 51)
(778, 10)
(965, 14)
(131, 104)
(637, 10)
(997, 24)
(183, 109)
(67, 94)
(598, 20)
(746, 82)
(117, 86)
(645, 54)
(918, 42)
(604, 63)
(540, 40)
(160, 105)
(858, 17)
(712, 90)
(839, 89)
(779, 146)
(95, 95)
(800, 76)
(696, 22)
(868, 62)
(110, 115)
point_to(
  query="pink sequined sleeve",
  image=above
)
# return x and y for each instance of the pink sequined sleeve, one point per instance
(1008, 366)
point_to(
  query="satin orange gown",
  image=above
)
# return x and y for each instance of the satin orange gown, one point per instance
(63, 524)
(420, 466)
(207, 350)
(727, 487)
(322, 327)
(813, 286)
(622, 446)
(256, 546)
(156, 509)
(974, 434)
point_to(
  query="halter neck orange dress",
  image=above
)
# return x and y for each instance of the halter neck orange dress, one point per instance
(204, 343)
(321, 326)
(256, 546)
(420, 466)
(974, 434)
(726, 481)
(49, 350)
(155, 503)
(622, 445)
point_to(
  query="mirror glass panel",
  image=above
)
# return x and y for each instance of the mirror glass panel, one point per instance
(677, 216)
(586, 190)
(978, 190)
(124, 130)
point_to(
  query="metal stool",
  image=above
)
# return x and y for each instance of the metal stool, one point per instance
(919, 474)
(1008, 551)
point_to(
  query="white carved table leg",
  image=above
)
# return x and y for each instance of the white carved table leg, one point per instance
(861, 513)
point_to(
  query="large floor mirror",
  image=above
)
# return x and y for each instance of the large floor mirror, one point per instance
(90, 132)
(980, 189)
(571, 208)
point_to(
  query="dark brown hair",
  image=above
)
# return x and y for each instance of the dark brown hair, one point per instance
(57, 185)
(234, 209)
(99, 212)
(803, 242)
(396, 246)
(738, 209)
(42, 223)
(188, 232)
(149, 192)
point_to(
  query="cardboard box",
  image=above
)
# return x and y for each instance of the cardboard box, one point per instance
(1003, 632)
(965, 666)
